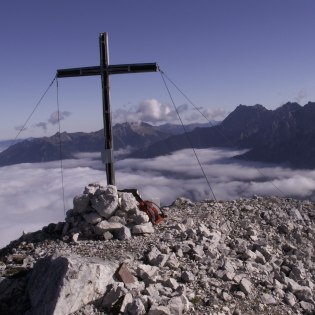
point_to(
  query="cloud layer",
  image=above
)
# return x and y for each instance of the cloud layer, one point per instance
(58, 115)
(31, 194)
(153, 111)
(52, 120)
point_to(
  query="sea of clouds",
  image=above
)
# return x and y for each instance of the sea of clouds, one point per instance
(31, 194)
(155, 112)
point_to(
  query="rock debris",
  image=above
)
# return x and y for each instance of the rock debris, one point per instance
(247, 256)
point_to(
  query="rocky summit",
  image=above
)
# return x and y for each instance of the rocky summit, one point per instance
(247, 256)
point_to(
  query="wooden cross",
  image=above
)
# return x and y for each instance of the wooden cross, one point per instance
(104, 70)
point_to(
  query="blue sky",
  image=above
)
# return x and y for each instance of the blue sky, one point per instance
(221, 53)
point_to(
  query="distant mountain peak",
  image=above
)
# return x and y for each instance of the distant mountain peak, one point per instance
(289, 106)
(251, 107)
(63, 136)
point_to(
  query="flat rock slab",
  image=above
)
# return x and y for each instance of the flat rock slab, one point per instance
(106, 226)
(61, 285)
(123, 274)
(246, 286)
(146, 228)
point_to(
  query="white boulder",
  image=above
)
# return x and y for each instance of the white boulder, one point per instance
(105, 201)
(146, 228)
(128, 202)
(63, 284)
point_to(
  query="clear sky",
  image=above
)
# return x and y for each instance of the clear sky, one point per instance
(221, 53)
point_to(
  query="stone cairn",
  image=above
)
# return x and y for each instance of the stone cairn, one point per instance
(104, 213)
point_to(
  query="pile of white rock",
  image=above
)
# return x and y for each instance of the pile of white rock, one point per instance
(103, 212)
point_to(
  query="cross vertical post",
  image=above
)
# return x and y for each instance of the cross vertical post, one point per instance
(105, 70)
(107, 117)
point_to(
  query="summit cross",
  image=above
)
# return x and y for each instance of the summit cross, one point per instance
(105, 70)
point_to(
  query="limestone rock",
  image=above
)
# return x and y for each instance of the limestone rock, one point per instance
(92, 218)
(292, 285)
(171, 283)
(105, 226)
(122, 233)
(140, 217)
(125, 303)
(123, 274)
(91, 189)
(187, 276)
(81, 202)
(246, 286)
(290, 298)
(147, 272)
(146, 228)
(128, 202)
(214, 238)
(136, 307)
(172, 261)
(198, 249)
(176, 305)
(108, 236)
(179, 305)
(153, 291)
(75, 237)
(202, 229)
(113, 293)
(63, 284)
(249, 255)
(308, 307)
(268, 299)
(156, 258)
(295, 214)
(117, 219)
(159, 310)
(105, 201)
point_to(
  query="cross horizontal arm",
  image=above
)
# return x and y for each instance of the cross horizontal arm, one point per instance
(111, 69)
(133, 68)
(78, 72)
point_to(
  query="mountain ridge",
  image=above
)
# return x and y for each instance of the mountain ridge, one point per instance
(135, 135)
(285, 135)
